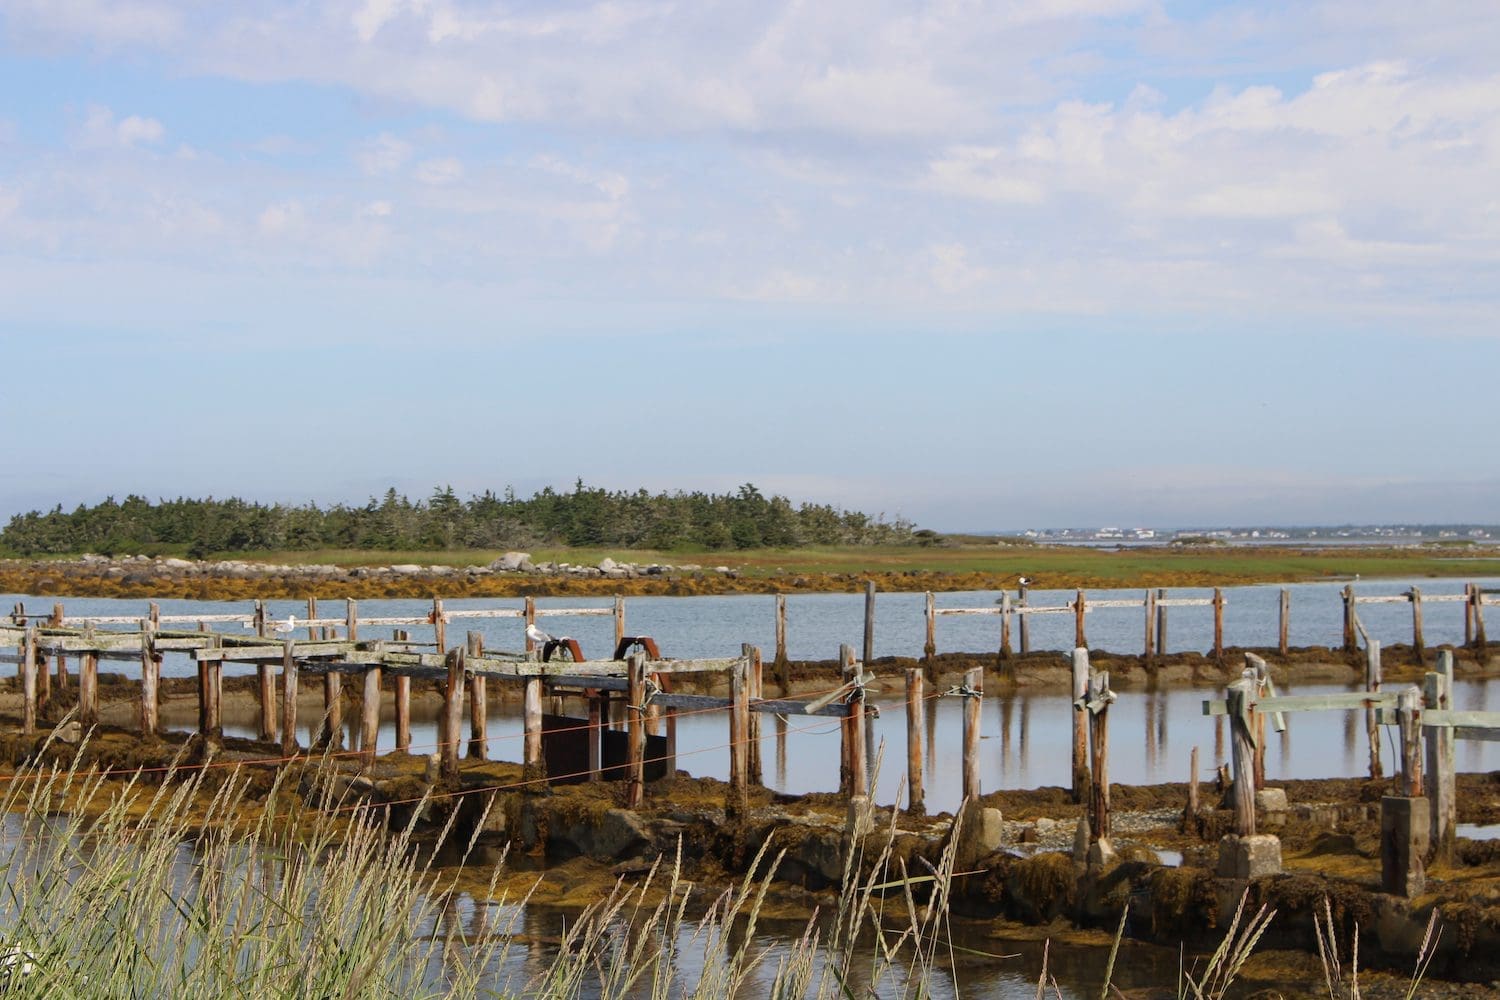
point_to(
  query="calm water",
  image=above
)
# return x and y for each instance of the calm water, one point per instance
(1025, 735)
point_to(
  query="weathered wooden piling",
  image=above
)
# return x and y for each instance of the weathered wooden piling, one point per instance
(1193, 800)
(479, 703)
(351, 620)
(635, 792)
(289, 698)
(1350, 641)
(854, 724)
(1441, 764)
(1148, 648)
(1005, 614)
(210, 691)
(453, 712)
(1478, 609)
(528, 613)
(973, 702)
(1409, 720)
(331, 728)
(737, 802)
(88, 686)
(619, 617)
(1161, 622)
(1024, 624)
(28, 682)
(266, 689)
(929, 645)
(1080, 725)
(402, 701)
(753, 763)
(1097, 710)
(61, 664)
(369, 715)
(1218, 602)
(781, 660)
(915, 718)
(1372, 685)
(150, 676)
(1418, 646)
(1080, 608)
(1242, 736)
(1284, 624)
(867, 650)
(532, 765)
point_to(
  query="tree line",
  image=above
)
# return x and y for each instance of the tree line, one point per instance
(584, 517)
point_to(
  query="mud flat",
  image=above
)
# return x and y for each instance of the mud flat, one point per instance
(1020, 875)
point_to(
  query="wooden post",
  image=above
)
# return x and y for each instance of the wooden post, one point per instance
(1218, 623)
(453, 711)
(289, 697)
(312, 614)
(1242, 733)
(266, 685)
(1350, 642)
(149, 674)
(781, 639)
(619, 619)
(402, 698)
(534, 768)
(1148, 652)
(1286, 618)
(596, 725)
(1468, 614)
(929, 645)
(854, 726)
(1005, 615)
(440, 631)
(331, 729)
(1416, 623)
(973, 702)
(915, 718)
(479, 703)
(739, 719)
(62, 659)
(867, 654)
(88, 689)
(1372, 684)
(369, 715)
(211, 724)
(756, 770)
(260, 617)
(528, 612)
(28, 682)
(351, 619)
(1099, 820)
(1080, 725)
(1080, 608)
(635, 793)
(1023, 590)
(1409, 719)
(1161, 622)
(1440, 759)
(1193, 784)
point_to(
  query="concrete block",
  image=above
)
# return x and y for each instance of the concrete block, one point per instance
(1249, 857)
(1405, 835)
(981, 833)
(1102, 853)
(1081, 841)
(1271, 806)
(857, 819)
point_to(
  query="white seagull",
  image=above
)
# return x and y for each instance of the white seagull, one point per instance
(282, 628)
(1024, 581)
(536, 635)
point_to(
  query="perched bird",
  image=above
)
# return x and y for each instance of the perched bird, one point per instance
(1024, 581)
(282, 628)
(536, 635)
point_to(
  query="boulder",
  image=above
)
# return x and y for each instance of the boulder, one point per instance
(511, 562)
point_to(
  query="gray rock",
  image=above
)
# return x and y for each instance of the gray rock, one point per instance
(406, 569)
(607, 565)
(511, 562)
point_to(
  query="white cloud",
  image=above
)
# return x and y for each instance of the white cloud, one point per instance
(384, 154)
(100, 129)
(281, 219)
(375, 210)
(445, 170)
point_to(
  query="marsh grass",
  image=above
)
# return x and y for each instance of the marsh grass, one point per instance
(178, 886)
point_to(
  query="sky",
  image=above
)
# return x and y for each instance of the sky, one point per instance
(983, 265)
